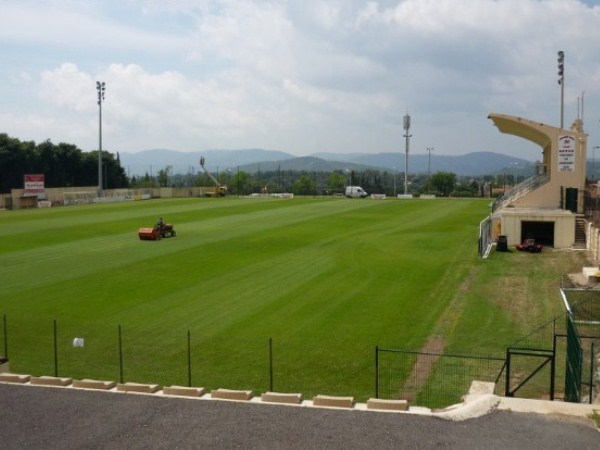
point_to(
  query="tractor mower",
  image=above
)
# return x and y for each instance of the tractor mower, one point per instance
(529, 245)
(157, 232)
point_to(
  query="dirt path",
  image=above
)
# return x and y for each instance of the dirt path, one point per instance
(434, 347)
(525, 290)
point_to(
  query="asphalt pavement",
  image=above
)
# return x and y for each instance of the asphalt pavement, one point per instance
(34, 417)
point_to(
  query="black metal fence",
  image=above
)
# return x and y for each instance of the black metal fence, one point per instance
(582, 337)
(433, 379)
(533, 367)
(574, 362)
(309, 366)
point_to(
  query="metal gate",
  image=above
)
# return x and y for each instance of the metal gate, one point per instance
(432, 379)
(530, 369)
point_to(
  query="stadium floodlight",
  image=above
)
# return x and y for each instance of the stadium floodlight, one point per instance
(407, 136)
(101, 88)
(561, 83)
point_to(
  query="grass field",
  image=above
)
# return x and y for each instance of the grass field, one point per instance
(326, 279)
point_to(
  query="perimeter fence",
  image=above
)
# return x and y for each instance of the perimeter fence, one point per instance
(308, 366)
(434, 379)
(485, 241)
(533, 367)
(98, 351)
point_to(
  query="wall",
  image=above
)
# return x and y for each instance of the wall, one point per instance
(593, 241)
(564, 225)
(15, 199)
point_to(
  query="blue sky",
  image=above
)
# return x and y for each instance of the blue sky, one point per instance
(301, 77)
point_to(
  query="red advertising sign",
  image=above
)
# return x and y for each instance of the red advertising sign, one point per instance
(34, 184)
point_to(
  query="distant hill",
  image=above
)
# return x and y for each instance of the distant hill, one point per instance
(308, 164)
(151, 161)
(475, 164)
(254, 160)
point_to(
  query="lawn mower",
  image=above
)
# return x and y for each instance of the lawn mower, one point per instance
(157, 232)
(529, 245)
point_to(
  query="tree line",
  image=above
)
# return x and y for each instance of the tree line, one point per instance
(65, 165)
(301, 182)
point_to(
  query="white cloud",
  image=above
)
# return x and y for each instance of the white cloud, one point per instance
(301, 77)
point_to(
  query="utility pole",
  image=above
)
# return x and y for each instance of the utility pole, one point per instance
(407, 136)
(594, 161)
(429, 150)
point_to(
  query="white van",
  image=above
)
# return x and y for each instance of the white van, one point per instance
(355, 192)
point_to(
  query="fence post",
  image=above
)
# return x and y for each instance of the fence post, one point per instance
(592, 374)
(55, 351)
(189, 358)
(120, 356)
(507, 381)
(5, 339)
(271, 364)
(553, 364)
(376, 371)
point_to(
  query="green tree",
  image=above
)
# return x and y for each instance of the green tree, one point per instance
(305, 185)
(63, 165)
(163, 176)
(443, 182)
(336, 182)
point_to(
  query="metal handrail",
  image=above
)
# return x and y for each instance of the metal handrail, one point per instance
(518, 191)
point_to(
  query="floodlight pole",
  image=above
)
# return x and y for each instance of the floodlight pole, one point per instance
(561, 82)
(407, 136)
(100, 87)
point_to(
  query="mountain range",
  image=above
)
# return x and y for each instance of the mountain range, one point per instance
(255, 160)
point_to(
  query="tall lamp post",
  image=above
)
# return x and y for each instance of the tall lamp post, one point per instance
(407, 136)
(429, 150)
(101, 87)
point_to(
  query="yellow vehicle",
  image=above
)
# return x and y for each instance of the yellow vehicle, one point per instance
(220, 190)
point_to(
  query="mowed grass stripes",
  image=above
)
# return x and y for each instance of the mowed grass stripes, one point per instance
(326, 279)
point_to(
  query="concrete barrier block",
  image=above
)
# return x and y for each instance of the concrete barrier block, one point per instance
(334, 402)
(138, 387)
(93, 384)
(481, 387)
(184, 391)
(230, 394)
(387, 405)
(14, 378)
(45, 380)
(279, 397)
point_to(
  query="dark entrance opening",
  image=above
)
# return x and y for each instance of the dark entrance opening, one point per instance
(542, 232)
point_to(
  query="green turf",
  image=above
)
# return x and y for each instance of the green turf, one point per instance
(326, 279)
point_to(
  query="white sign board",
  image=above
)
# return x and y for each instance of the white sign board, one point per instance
(34, 185)
(566, 153)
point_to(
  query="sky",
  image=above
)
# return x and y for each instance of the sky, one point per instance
(297, 76)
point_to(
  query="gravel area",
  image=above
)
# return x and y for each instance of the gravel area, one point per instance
(33, 417)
